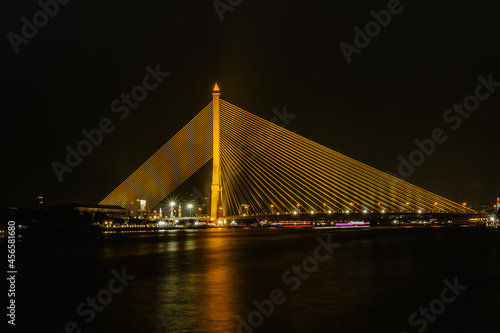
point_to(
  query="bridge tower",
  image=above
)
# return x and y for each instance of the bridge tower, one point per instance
(216, 189)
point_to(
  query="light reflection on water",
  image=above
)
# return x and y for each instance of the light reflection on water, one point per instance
(203, 280)
(217, 297)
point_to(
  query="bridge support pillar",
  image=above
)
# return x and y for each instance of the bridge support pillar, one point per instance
(215, 189)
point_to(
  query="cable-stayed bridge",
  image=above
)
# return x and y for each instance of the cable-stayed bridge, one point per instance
(261, 168)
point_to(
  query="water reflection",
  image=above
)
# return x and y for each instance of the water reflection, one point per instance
(202, 281)
(196, 284)
(218, 284)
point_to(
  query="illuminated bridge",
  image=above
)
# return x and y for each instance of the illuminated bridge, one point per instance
(261, 168)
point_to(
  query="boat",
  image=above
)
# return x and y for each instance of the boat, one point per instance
(342, 225)
(292, 224)
(321, 225)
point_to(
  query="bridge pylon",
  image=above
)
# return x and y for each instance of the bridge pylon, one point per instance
(215, 200)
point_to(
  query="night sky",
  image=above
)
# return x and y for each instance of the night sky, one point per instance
(264, 55)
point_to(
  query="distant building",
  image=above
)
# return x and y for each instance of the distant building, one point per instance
(486, 208)
(111, 211)
(490, 208)
(243, 209)
(153, 215)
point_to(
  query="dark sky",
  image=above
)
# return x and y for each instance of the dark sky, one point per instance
(265, 55)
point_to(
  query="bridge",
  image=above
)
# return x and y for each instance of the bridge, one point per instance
(262, 169)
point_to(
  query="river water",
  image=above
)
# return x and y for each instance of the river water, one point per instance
(216, 281)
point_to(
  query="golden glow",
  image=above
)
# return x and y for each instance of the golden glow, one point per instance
(261, 162)
(154, 179)
(216, 192)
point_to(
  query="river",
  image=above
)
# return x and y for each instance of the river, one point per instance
(261, 280)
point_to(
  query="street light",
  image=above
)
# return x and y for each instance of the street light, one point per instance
(190, 206)
(172, 204)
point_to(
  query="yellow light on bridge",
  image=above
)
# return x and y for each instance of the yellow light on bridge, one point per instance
(240, 173)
